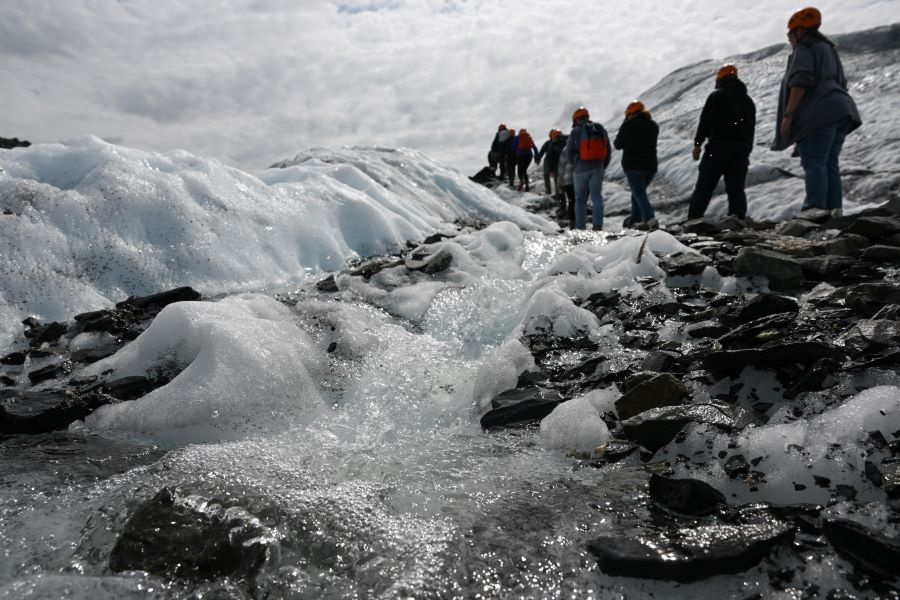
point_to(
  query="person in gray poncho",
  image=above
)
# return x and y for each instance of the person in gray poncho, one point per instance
(815, 111)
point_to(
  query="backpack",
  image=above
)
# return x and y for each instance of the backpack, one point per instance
(525, 141)
(595, 144)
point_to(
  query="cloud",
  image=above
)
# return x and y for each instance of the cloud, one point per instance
(254, 81)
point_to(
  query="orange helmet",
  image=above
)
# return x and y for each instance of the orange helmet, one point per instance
(580, 112)
(634, 107)
(809, 17)
(726, 70)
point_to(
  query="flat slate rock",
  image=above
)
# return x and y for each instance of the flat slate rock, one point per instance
(685, 496)
(29, 412)
(868, 549)
(520, 407)
(688, 554)
(791, 353)
(656, 427)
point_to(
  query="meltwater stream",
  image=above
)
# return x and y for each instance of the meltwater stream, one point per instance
(391, 490)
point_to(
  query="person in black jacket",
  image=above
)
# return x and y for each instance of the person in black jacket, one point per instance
(637, 140)
(728, 121)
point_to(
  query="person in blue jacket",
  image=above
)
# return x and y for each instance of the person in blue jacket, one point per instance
(589, 150)
(815, 111)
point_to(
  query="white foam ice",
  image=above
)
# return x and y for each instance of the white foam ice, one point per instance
(88, 223)
(243, 365)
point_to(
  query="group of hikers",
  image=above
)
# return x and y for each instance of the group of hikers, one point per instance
(815, 113)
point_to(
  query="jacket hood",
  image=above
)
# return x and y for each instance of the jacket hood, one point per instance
(734, 84)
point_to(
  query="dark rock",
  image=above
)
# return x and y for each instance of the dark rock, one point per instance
(101, 320)
(891, 240)
(178, 535)
(736, 466)
(751, 333)
(656, 427)
(156, 302)
(869, 335)
(615, 450)
(882, 254)
(817, 377)
(866, 299)
(14, 358)
(685, 496)
(90, 355)
(660, 361)
(874, 228)
(428, 261)
(782, 272)
(9, 143)
(846, 244)
(602, 299)
(49, 372)
(797, 227)
(30, 412)
(867, 549)
(655, 391)
(327, 285)
(705, 329)
(374, 266)
(131, 387)
(732, 362)
(826, 267)
(45, 333)
(764, 305)
(688, 554)
(520, 407)
(684, 263)
(700, 226)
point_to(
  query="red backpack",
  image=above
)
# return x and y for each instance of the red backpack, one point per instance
(525, 141)
(595, 144)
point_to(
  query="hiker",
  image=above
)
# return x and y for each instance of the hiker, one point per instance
(637, 140)
(588, 147)
(728, 122)
(509, 156)
(565, 181)
(495, 155)
(544, 153)
(815, 111)
(525, 150)
(554, 145)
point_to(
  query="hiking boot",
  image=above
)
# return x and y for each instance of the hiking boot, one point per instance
(837, 212)
(640, 226)
(653, 224)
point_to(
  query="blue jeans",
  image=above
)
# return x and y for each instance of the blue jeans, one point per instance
(819, 154)
(589, 181)
(641, 211)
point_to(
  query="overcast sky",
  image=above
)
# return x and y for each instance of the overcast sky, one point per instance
(253, 81)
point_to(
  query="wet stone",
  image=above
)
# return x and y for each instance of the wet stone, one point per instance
(156, 302)
(520, 407)
(685, 496)
(882, 254)
(688, 554)
(30, 412)
(782, 272)
(685, 263)
(656, 427)
(653, 392)
(177, 534)
(867, 549)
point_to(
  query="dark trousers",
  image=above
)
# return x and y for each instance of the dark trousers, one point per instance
(523, 161)
(728, 159)
(511, 168)
(569, 203)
